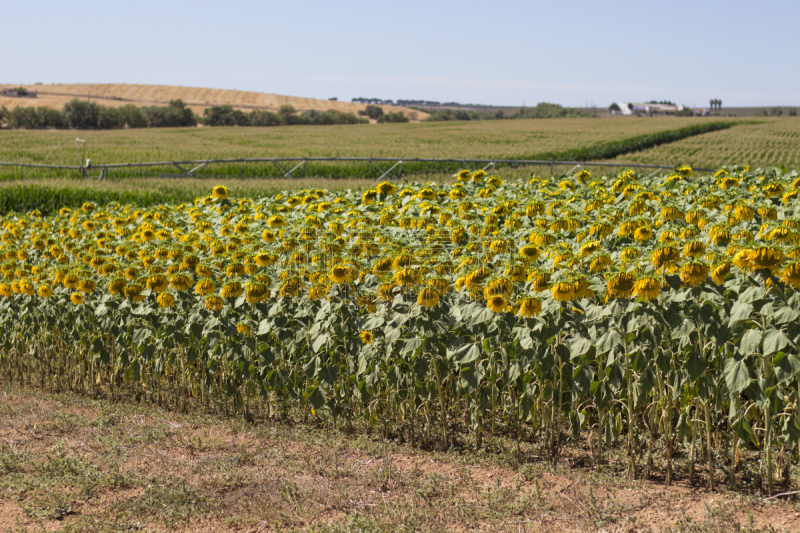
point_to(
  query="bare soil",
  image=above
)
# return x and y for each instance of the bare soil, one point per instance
(70, 463)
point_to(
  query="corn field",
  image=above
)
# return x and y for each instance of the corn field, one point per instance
(602, 310)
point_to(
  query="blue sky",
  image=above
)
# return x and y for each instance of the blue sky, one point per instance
(501, 53)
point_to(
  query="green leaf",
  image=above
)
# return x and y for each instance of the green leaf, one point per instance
(786, 367)
(775, 340)
(608, 341)
(319, 342)
(751, 294)
(739, 311)
(472, 354)
(579, 347)
(695, 365)
(750, 342)
(576, 420)
(737, 375)
(141, 335)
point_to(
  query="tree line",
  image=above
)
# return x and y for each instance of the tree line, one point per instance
(542, 110)
(84, 115)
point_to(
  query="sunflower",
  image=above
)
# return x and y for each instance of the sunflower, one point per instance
(214, 303)
(117, 286)
(6, 291)
(693, 249)
(530, 308)
(134, 292)
(590, 248)
(340, 274)
(742, 259)
(291, 288)
(743, 213)
(45, 291)
(428, 297)
(563, 291)
(647, 288)
(276, 222)
(256, 292)
(643, 234)
(232, 289)
(386, 292)
(530, 253)
(382, 266)
(599, 263)
(720, 271)
(87, 286)
(180, 282)
(318, 291)
(622, 285)
(629, 254)
(76, 298)
(694, 273)
(685, 171)
(582, 290)
(497, 303)
(406, 277)
(220, 192)
(243, 329)
(791, 275)
(367, 337)
(766, 257)
(386, 188)
(157, 283)
(71, 281)
(165, 300)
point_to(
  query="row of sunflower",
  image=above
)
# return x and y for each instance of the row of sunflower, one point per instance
(545, 305)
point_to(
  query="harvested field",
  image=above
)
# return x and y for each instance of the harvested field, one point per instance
(196, 98)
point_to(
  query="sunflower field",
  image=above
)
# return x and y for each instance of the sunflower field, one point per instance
(614, 311)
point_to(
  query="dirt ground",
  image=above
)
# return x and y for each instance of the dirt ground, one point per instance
(70, 463)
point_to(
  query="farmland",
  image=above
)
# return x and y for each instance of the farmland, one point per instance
(771, 142)
(514, 139)
(622, 313)
(196, 98)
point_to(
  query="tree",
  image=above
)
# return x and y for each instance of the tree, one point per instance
(288, 114)
(175, 115)
(224, 115)
(79, 114)
(614, 107)
(264, 118)
(393, 117)
(133, 117)
(374, 112)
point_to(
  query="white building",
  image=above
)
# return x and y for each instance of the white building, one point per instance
(628, 108)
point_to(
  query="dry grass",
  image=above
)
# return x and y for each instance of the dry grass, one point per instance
(70, 463)
(197, 98)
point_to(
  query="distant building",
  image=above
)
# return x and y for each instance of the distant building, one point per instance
(629, 108)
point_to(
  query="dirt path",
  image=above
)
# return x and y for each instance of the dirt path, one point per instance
(69, 463)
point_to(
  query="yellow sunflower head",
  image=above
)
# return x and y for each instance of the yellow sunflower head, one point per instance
(220, 192)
